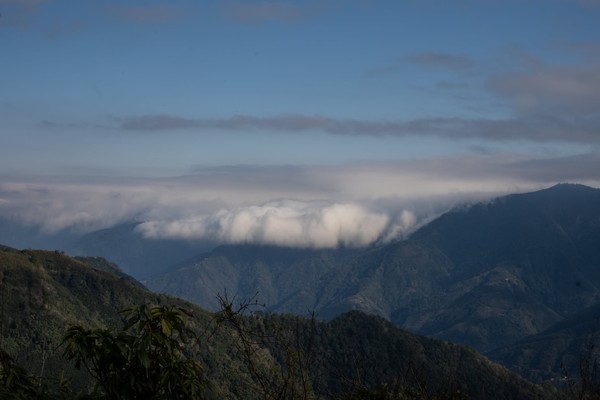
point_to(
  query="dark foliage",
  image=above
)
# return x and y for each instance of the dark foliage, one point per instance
(245, 354)
(148, 359)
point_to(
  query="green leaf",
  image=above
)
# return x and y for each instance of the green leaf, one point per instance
(166, 327)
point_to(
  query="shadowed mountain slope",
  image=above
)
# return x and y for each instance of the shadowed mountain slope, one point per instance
(484, 275)
(557, 351)
(138, 256)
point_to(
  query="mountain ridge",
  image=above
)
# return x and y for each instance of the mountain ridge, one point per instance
(484, 275)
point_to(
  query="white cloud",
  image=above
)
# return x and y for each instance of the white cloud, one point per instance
(318, 206)
(402, 225)
(284, 223)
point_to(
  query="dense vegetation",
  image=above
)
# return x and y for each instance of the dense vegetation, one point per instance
(240, 354)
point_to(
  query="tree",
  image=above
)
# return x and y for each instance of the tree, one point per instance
(16, 383)
(148, 359)
(276, 359)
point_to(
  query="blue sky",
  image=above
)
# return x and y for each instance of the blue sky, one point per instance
(191, 114)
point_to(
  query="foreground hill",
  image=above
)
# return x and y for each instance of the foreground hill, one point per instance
(138, 256)
(485, 275)
(44, 292)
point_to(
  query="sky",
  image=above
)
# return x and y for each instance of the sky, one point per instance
(300, 123)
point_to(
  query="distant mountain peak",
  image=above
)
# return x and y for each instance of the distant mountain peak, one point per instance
(572, 187)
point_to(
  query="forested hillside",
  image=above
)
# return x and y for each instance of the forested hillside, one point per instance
(243, 354)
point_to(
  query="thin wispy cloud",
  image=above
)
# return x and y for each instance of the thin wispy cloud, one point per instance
(547, 103)
(267, 11)
(22, 2)
(20, 14)
(588, 3)
(433, 60)
(564, 91)
(589, 50)
(159, 122)
(147, 13)
(538, 128)
(28, 16)
(565, 169)
(448, 85)
(441, 60)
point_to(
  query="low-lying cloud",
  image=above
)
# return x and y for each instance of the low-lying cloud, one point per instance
(287, 223)
(303, 206)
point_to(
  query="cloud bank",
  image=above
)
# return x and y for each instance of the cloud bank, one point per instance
(287, 223)
(317, 206)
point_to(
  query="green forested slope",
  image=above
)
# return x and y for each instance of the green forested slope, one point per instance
(354, 355)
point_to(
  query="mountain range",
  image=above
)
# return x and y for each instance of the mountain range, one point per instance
(517, 278)
(486, 275)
